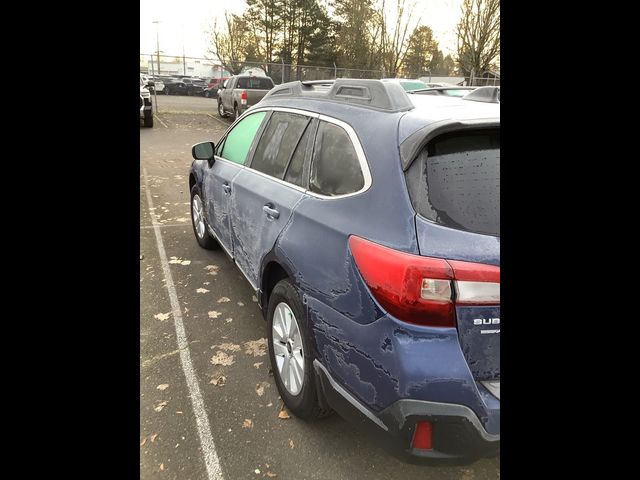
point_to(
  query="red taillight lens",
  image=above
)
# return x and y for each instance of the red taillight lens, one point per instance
(243, 95)
(420, 289)
(423, 436)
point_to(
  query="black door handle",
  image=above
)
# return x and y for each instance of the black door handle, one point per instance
(270, 212)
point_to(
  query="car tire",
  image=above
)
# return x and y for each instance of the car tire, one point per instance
(148, 118)
(304, 403)
(221, 111)
(236, 114)
(204, 239)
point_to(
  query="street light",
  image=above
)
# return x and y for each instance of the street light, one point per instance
(157, 22)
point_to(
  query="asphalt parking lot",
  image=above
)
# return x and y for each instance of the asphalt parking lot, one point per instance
(209, 407)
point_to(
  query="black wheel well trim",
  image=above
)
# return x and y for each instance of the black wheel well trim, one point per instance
(268, 280)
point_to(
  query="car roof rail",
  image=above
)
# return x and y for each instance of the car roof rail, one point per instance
(368, 93)
(484, 94)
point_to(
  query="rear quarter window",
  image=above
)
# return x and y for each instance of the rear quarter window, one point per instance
(455, 181)
(335, 168)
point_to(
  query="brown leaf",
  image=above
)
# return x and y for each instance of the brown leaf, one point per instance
(221, 358)
(144, 440)
(214, 314)
(224, 300)
(220, 380)
(291, 444)
(257, 364)
(160, 405)
(202, 290)
(153, 437)
(164, 386)
(257, 348)
(260, 388)
(247, 423)
(162, 467)
(283, 415)
(269, 474)
(228, 347)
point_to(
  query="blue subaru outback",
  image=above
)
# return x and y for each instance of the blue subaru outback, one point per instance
(368, 225)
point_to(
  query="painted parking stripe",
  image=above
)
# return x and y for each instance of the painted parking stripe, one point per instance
(211, 461)
(226, 124)
(160, 120)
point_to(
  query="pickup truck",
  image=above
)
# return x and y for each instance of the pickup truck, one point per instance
(240, 92)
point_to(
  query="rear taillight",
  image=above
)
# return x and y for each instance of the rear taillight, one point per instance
(423, 290)
(423, 436)
(243, 96)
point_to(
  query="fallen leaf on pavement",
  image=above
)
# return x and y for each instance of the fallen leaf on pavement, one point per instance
(164, 386)
(254, 298)
(214, 314)
(257, 470)
(185, 262)
(291, 444)
(269, 474)
(162, 467)
(228, 320)
(240, 304)
(162, 316)
(224, 300)
(284, 415)
(229, 347)
(153, 437)
(144, 440)
(247, 423)
(221, 358)
(260, 388)
(202, 290)
(257, 364)
(212, 269)
(257, 348)
(220, 380)
(160, 406)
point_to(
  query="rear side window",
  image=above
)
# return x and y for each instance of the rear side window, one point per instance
(335, 169)
(298, 170)
(255, 83)
(455, 181)
(278, 142)
(238, 141)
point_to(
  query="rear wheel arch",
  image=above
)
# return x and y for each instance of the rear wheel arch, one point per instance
(272, 274)
(192, 181)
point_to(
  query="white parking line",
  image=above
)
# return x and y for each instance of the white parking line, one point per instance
(214, 471)
(218, 120)
(160, 120)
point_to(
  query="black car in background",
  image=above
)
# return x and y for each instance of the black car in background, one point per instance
(184, 86)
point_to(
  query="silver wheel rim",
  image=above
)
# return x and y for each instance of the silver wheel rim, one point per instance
(197, 216)
(287, 348)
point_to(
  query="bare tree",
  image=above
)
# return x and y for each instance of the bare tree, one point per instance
(478, 35)
(394, 38)
(230, 44)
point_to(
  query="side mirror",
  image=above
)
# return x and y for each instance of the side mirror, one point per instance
(204, 151)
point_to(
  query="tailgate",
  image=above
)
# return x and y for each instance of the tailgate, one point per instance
(254, 96)
(454, 184)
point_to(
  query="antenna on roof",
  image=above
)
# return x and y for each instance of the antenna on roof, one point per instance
(484, 94)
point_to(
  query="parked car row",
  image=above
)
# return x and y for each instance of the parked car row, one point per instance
(367, 222)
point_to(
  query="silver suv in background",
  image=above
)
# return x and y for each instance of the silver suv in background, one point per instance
(146, 108)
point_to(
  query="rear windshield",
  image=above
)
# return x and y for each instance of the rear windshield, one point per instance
(455, 181)
(255, 83)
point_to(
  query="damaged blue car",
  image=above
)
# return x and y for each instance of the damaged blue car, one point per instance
(368, 225)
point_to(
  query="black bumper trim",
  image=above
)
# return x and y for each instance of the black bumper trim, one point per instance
(458, 432)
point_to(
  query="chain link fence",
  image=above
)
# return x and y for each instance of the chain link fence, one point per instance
(160, 66)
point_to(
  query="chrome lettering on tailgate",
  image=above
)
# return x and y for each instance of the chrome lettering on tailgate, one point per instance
(487, 321)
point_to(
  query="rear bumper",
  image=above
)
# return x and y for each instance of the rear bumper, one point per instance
(457, 431)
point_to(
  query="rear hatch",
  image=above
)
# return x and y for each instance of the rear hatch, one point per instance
(454, 185)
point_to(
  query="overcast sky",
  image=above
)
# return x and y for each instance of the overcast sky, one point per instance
(185, 23)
